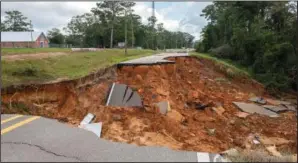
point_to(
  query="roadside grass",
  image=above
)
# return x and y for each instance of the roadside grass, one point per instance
(71, 66)
(230, 68)
(11, 51)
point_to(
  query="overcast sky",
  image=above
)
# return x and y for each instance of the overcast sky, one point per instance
(47, 15)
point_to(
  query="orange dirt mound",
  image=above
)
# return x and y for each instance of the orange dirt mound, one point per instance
(183, 128)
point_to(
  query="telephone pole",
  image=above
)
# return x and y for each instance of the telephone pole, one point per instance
(153, 25)
(31, 29)
(132, 34)
(125, 32)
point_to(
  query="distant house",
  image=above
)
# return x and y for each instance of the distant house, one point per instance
(24, 40)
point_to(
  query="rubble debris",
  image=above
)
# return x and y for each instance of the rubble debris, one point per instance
(259, 100)
(290, 107)
(164, 107)
(122, 95)
(173, 114)
(277, 102)
(93, 127)
(87, 119)
(231, 152)
(255, 141)
(273, 140)
(272, 150)
(242, 114)
(210, 157)
(198, 105)
(218, 110)
(117, 117)
(276, 109)
(253, 108)
(211, 131)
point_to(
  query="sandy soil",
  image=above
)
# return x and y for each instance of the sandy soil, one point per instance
(16, 57)
(184, 128)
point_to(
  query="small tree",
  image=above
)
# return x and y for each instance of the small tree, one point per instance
(55, 36)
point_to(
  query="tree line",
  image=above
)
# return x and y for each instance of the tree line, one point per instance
(259, 35)
(104, 26)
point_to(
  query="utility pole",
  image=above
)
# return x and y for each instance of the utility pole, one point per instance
(153, 25)
(125, 32)
(31, 29)
(132, 34)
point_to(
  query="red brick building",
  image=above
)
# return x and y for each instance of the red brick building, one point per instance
(24, 40)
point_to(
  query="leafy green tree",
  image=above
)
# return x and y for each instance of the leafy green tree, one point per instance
(55, 36)
(15, 21)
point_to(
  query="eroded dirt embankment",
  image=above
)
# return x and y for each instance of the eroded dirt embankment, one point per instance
(185, 128)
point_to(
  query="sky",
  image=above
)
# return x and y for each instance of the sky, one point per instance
(176, 16)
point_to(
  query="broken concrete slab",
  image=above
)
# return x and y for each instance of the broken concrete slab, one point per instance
(259, 100)
(164, 107)
(253, 108)
(290, 107)
(93, 127)
(122, 95)
(277, 102)
(275, 108)
(87, 119)
(210, 157)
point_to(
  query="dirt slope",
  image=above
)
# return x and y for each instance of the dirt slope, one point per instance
(184, 128)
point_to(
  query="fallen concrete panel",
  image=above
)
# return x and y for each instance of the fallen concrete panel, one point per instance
(253, 108)
(122, 95)
(94, 127)
(275, 108)
(87, 119)
(164, 107)
(259, 100)
(210, 157)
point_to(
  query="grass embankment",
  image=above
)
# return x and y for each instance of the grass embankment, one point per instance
(229, 67)
(71, 66)
(12, 51)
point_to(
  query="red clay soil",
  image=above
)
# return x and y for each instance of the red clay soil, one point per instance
(183, 128)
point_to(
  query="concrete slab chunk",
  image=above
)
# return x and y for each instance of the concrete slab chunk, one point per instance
(210, 157)
(253, 108)
(164, 107)
(122, 95)
(93, 127)
(259, 100)
(87, 119)
(275, 108)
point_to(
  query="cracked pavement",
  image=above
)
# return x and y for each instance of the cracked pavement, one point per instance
(44, 140)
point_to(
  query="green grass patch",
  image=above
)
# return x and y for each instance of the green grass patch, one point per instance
(11, 51)
(71, 66)
(231, 68)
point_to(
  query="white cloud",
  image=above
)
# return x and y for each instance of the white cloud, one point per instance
(47, 15)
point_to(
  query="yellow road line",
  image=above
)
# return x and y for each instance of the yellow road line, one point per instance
(18, 124)
(11, 118)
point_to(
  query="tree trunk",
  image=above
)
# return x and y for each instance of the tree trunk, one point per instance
(112, 33)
